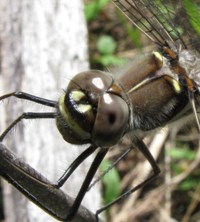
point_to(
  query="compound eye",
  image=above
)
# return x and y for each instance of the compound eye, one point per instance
(111, 120)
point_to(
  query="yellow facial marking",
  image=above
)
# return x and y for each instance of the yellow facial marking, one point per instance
(84, 108)
(70, 121)
(77, 95)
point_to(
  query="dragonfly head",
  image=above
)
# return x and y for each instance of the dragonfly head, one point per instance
(93, 110)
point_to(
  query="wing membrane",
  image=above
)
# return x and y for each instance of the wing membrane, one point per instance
(166, 23)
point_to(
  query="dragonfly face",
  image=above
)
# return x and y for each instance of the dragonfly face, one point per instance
(92, 103)
(158, 88)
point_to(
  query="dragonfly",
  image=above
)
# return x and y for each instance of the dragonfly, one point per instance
(157, 89)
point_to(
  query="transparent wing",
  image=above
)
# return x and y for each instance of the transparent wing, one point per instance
(167, 23)
(187, 18)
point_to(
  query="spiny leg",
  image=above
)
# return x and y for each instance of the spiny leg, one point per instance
(93, 168)
(110, 167)
(143, 148)
(75, 164)
(27, 115)
(26, 96)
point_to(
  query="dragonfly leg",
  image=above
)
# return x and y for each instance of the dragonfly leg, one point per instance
(86, 153)
(27, 115)
(110, 167)
(93, 168)
(144, 150)
(32, 98)
(37, 188)
(192, 101)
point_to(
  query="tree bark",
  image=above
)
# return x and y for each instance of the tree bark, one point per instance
(43, 44)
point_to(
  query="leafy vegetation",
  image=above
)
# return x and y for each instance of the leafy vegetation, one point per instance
(111, 182)
(181, 157)
(104, 43)
(93, 8)
(192, 10)
(106, 46)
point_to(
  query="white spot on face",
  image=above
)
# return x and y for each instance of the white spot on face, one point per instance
(98, 82)
(107, 99)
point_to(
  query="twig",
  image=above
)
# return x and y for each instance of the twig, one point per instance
(144, 170)
(38, 189)
(194, 202)
(153, 200)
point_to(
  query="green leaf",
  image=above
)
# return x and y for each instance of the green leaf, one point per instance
(192, 10)
(102, 3)
(91, 11)
(176, 168)
(111, 182)
(93, 8)
(182, 153)
(189, 184)
(110, 60)
(134, 34)
(106, 44)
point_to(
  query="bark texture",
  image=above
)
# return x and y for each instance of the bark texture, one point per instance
(42, 45)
